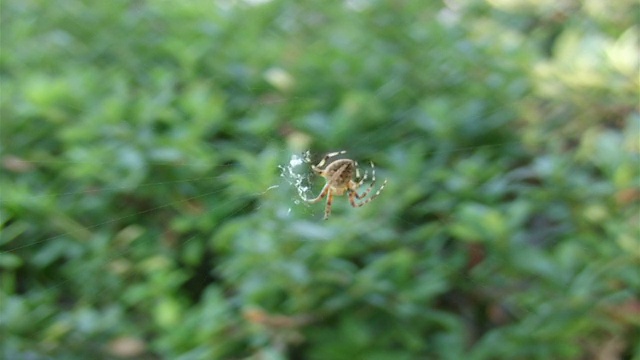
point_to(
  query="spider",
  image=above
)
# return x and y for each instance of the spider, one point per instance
(339, 175)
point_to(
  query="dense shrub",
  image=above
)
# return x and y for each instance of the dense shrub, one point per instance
(145, 211)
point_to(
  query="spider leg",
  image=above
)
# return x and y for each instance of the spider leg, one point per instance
(328, 192)
(327, 209)
(316, 168)
(352, 198)
(354, 204)
(322, 194)
(363, 179)
(373, 183)
(366, 192)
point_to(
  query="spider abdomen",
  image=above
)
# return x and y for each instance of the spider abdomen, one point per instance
(339, 172)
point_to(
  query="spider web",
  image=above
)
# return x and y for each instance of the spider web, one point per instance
(294, 172)
(296, 182)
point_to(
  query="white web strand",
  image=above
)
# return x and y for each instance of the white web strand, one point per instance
(298, 177)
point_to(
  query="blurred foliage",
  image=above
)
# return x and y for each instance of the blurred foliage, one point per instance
(144, 214)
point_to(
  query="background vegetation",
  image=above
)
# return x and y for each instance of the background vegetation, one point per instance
(144, 214)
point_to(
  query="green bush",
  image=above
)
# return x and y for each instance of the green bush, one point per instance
(147, 210)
